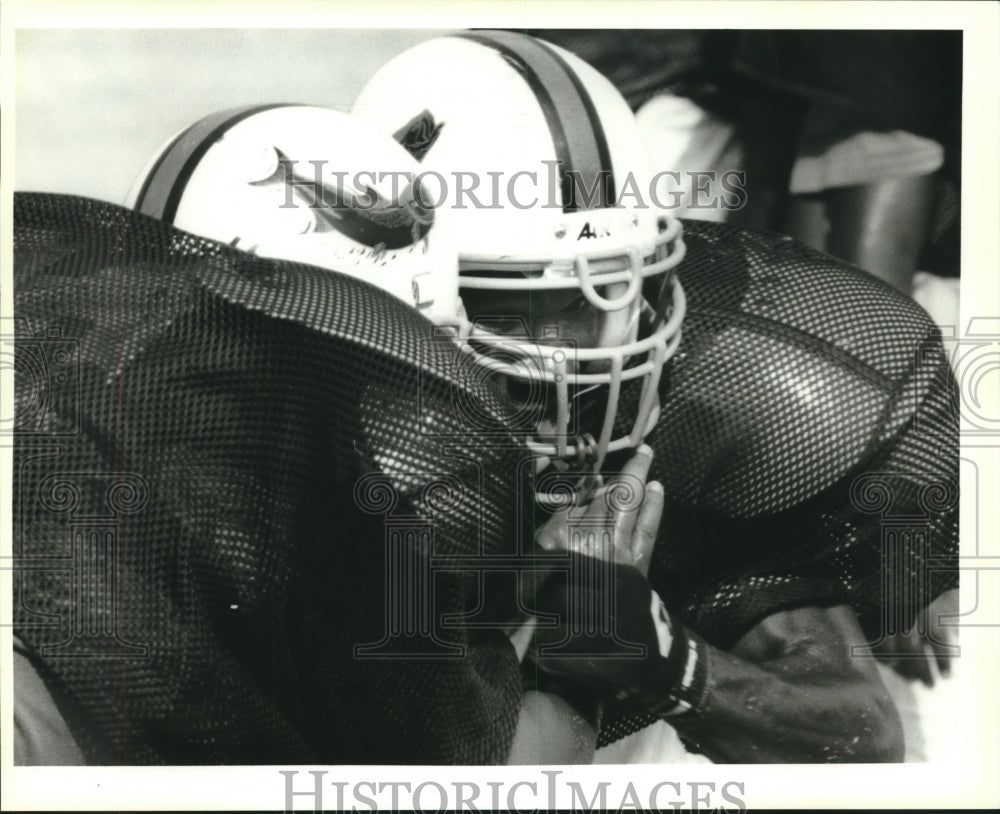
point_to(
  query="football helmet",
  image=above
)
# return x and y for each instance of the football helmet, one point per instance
(540, 161)
(310, 185)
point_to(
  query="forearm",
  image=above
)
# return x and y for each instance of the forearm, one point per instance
(557, 721)
(778, 712)
(789, 690)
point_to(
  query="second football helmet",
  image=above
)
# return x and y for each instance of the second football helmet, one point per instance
(539, 159)
(311, 185)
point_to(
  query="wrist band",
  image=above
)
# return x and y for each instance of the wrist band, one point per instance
(682, 686)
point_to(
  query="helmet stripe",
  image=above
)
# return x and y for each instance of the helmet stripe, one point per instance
(161, 192)
(580, 143)
(595, 128)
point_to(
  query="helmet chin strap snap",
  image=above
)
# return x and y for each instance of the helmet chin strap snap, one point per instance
(586, 449)
(587, 482)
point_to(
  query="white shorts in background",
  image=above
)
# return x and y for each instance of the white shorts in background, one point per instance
(866, 158)
(684, 138)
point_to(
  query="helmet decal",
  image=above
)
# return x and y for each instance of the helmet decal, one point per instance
(362, 215)
(308, 185)
(419, 134)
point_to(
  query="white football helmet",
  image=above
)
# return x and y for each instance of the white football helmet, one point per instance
(310, 185)
(539, 159)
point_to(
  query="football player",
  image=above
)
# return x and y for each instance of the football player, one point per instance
(793, 406)
(807, 408)
(255, 392)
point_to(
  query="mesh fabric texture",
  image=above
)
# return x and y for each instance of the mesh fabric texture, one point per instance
(252, 433)
(255, 430)
(808, 445)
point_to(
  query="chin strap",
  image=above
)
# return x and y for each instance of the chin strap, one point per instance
(581, 471)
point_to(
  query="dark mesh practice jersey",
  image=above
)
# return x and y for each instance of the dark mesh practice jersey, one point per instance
(259, 508)
(808, 443)
(262, 446)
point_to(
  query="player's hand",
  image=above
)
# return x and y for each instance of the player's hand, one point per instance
(619, 522)
(601, 624)
(627, 507)
(915, 655)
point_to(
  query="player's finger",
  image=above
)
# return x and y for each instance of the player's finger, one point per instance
(914, 667)
(626, 496)
(917, 665)
(521, 637)
(647, 526)
(943, 636)
(554, 533)
(634, 472)
(927, 663)
(638, 465)
(942, 653)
